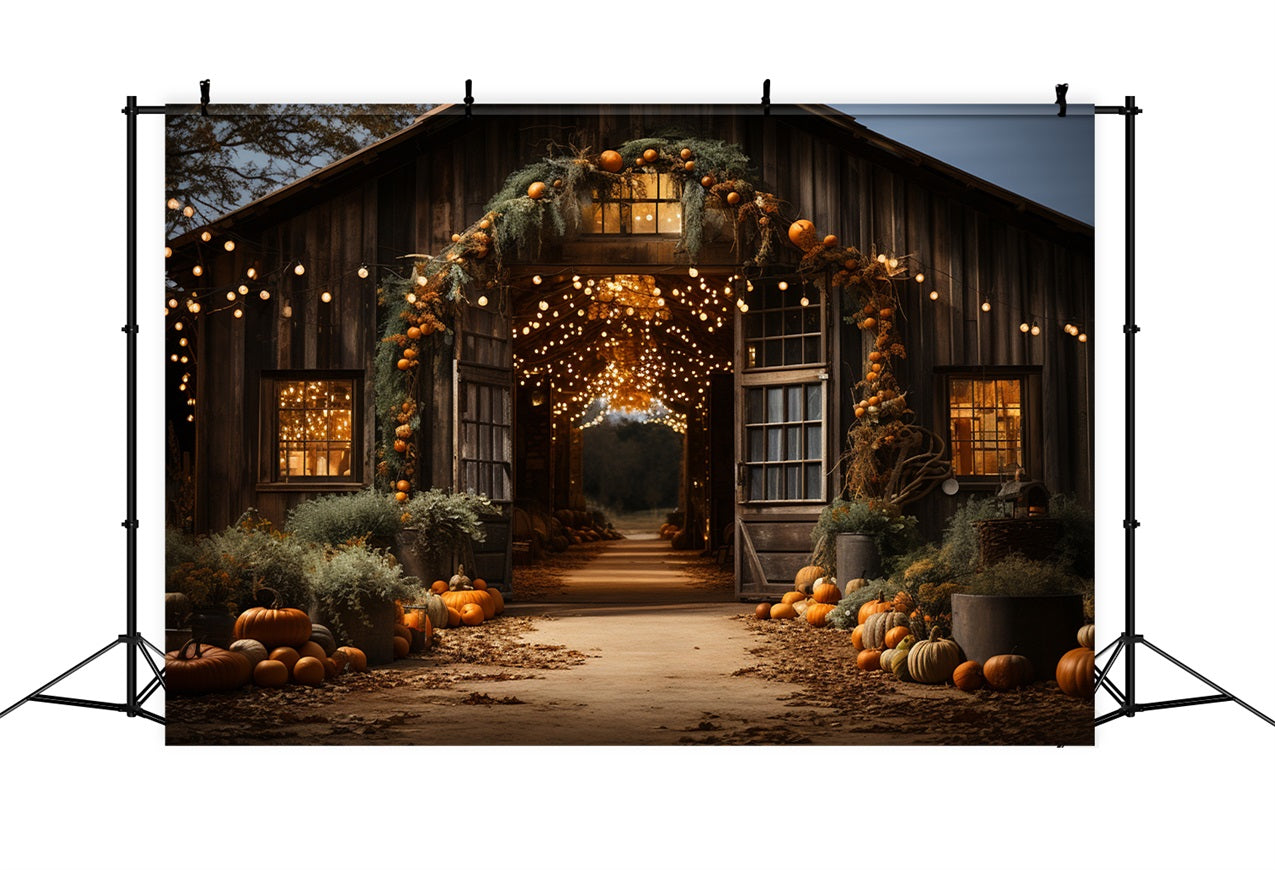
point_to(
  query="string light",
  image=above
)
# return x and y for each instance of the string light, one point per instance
(251, 273)
(363, 273)
(178, 326)
(783, 285)
(536, 279)
(934, 295)
(172, 303)
(986, 306)
(230, 296)
(1035, 329)
(920, 277)
(1082, 337)
(482, 302)
(243, 289)
(325, 296)
(197, 271)
(189, 211)
(205, 236)
(238, 313)
(544, 306)
(264, 294)
(693, 272)
(174, 204)
(287, 310)
(1024, 327)
(229, 245)
(168, 252)
(299, 269)
(805, 302)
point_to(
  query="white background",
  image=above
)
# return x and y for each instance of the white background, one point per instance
(1183, 788)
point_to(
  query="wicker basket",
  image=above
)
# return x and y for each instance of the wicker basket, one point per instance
(1034, 538)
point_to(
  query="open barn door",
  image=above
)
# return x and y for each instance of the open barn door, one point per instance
(484, 429)
(783, 396)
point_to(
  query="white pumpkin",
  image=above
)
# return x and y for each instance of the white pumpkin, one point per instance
(253, 650)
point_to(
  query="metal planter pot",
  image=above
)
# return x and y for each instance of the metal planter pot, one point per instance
(857, 556)
(1040, 627)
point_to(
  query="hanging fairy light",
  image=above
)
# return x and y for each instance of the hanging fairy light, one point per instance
(189, 211)
(178, 326)
(325, 296)
(536, 279)
(174, 204)
(264, 294)
(229, 245)
(934, 295)
(783, 285)
(1024, 327)
(251, 273)
(243, 289)
(986, 306)
(197, 271)
(287, 310)
(298, 269)
(1082, 337)
(231, 296)
(238, 313)
(1035, 329)
(544, 306)
(363, 273)
(805, 302)
(182, 342)
(172, 303)
(205, 236)
(920, 277)
(482, 302)
(168, 252)
(693, 272)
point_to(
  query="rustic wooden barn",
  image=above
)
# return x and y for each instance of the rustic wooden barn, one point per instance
(761, 450)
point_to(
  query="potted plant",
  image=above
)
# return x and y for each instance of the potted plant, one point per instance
(853, 537)
(439, 529)
(1023, 607)
(333, 520)
(354, 590)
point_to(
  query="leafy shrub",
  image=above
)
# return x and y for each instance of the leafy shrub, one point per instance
(846, 614)
(351, 579)
(1015, 575)
(960, 537)
(445, 521)
(336, 519)
(893, 532)
(1076, 544)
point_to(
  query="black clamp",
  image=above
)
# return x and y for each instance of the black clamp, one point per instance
(1060, 99)
(765, 97)
(469, 98)
(1131, 329)
(129, 524)
(130, 329)
(204, 87)
(1131, 524)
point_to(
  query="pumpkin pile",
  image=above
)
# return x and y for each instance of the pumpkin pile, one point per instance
(460, 601)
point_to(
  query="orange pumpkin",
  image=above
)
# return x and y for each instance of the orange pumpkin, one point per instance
(438, 587)
(401, 647)
(357, 660)
(287, 655)
(817, 614)
(460, 597)
(270, 674)
(453, 617)
(402, 632)
(869, 660)
(856, 637)
(1006, 672)
(650, 155)
(802, 233)
(472, 614)
(497, 597)
(762, 611)
(199, 668)
(415, 619)
(312, 649)
(793, 597)
(275, 625)
(1075, 673)
(870, 608)
(827, 593)
(783, 610)
(479, 583)
(308, 671)
(330, 670)
(610, 161)
(536, 189)
(968, 676)
(894, 635)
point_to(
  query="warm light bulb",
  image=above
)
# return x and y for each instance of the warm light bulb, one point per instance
(576, 284)
(920, 278)
(189, 211)
(174, 204)
(1082, 337)
(482, 301)
(172, 303)
(1068, 329)
(243, 290)
(205, 236)
(693, 272)
(744, 308)
(536, 279)
(287, 310)
(299, 269)
(783, 285)
(251, 273)
(986, 306)
(168, 252)
(264, 294)
(934, 294)
(197, 271)
(880, 258)
(363, 273)
(1035, 329)
(238, 313)
(411, 298)
(190, 418)
(1024, 327)
(804, 303)
(544, 306)
(325, 296)
(229, 245)
(183, 342)
(178, 326)
(172, 358)
(194, 307)
(230, 296)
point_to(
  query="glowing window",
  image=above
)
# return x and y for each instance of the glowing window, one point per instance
(650, 202)
(986, 425)
(314, 428)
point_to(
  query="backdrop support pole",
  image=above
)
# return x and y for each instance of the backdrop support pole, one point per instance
(1129, 639)
(135, 645)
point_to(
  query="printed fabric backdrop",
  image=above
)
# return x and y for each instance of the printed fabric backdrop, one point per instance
(646, 424)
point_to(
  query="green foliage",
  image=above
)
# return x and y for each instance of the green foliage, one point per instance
(632, 466)
(225, 569)
(893, 532)
(960, 538)
(1015, 575)
(352, 579)
(846, 614)
(446, 521)
(1075, 548)
(337, 519)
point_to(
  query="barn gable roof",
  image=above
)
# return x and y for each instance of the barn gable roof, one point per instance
(819, 119)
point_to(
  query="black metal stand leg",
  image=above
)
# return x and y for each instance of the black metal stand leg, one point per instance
(1129, 640)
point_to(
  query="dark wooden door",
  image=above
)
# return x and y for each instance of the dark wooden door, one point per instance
(784, 399)
(483, 417)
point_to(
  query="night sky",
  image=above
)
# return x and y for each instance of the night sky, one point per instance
(1027, 149)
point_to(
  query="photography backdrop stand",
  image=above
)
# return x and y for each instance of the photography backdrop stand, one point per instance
(1129, 640)
(136, 646)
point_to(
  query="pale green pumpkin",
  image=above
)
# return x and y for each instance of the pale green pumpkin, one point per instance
(934, 660)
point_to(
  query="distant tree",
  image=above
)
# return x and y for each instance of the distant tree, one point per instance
(632, 466)
(238, 153)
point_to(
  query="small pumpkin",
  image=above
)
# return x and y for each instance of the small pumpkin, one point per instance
(330, 669)
(610, 161)
(286, 654)
(903, 602)
(817, 613)
(357, 659)
(878, 624)
(403, 632)
(856, 637)
(802, 233)
(827, 593)
(274, 625)
(323, 636)
(650, 155)
(270, 674)
(934, 660)
(1075, 672)
(855, 585)
(401, 647)
(896, 634)
(313, 650)
(497, 599)
(887, 656)
(308, 671)
(479, 583)
(968, 676)
(783, 610)
(453, 617)
(793, 597)
(253, 650)
(1007, 671)
(537, 189)
(1085, 636)
(869, 660)
(899, 662)
(472, 613)
(762, 611)
(806, 578)
(874, 606)
(197, 668)
(438, 587)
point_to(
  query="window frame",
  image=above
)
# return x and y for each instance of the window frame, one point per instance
(626, 203)
(269, 477)
(783, 379)
(1031, 450)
